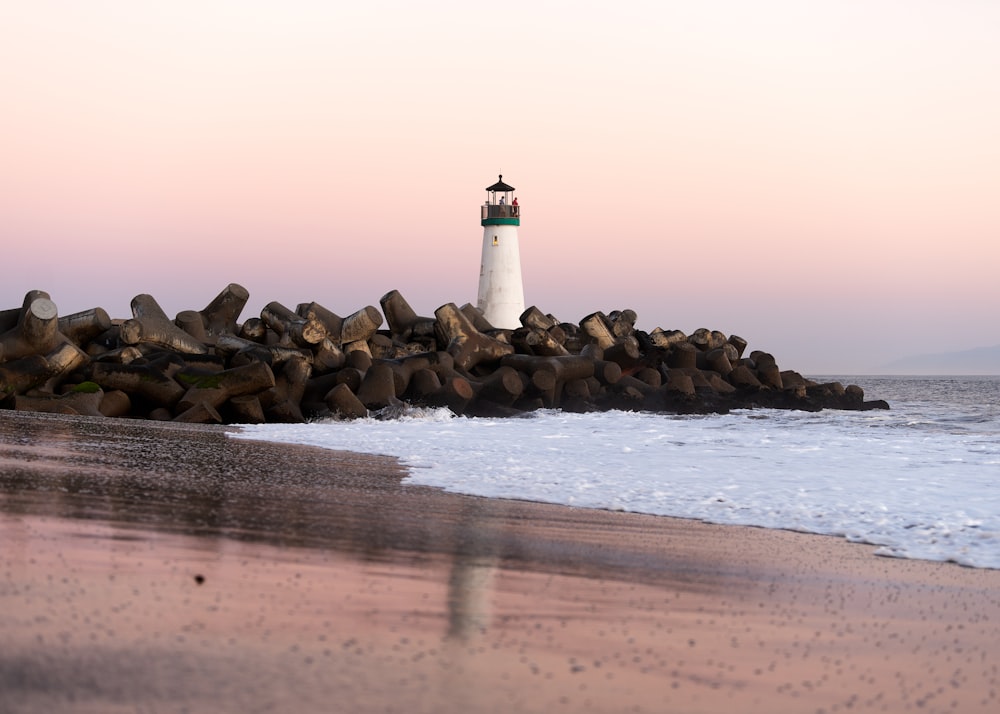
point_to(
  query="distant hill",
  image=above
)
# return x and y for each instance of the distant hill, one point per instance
(981, 360)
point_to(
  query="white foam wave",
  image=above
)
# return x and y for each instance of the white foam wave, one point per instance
(864, 476)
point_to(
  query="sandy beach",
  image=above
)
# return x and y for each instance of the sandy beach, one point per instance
(151, 567)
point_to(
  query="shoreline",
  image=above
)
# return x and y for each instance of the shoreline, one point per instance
(325, 578)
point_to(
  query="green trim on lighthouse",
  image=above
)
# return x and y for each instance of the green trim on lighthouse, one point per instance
(500, 222)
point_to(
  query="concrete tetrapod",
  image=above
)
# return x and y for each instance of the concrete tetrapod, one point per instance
(294, 330)
(547, 375)
(216, 389)
(158, 329)
(82, 327)
(86, 403)
(36, 331)
(289, 387)
(142, 380)
(534, 340)
(404, 323)
(333, 322)
(467, 345)
(361, 325)
(222, 314)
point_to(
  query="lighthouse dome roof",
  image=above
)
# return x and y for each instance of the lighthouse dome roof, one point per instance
(500, 186)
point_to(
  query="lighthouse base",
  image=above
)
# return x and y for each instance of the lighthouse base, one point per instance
(501, 291)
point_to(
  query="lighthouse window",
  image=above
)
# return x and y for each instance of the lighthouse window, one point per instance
(496, 240)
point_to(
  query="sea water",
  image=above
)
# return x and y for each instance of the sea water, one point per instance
(921, 480)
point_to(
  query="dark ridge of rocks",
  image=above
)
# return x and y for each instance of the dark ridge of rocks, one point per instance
(204, 366)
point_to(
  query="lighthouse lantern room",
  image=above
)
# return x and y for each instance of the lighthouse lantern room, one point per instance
(501, 292)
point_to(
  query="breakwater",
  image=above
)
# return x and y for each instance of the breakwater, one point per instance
(293, 365)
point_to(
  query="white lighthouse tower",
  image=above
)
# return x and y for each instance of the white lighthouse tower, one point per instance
(501, 293)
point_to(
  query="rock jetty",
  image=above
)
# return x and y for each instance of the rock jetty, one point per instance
(294, 365)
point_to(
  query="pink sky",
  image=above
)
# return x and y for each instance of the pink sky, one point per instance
(821, 178)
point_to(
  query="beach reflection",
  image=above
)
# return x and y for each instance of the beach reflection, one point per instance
(471, 581)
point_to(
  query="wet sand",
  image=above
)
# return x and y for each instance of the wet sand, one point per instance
(163, 568)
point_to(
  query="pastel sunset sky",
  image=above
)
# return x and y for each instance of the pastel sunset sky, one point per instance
(821, 178)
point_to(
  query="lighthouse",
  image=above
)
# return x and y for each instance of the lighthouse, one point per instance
(501, 293)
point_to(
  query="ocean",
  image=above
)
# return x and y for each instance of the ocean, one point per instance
(921, 480)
